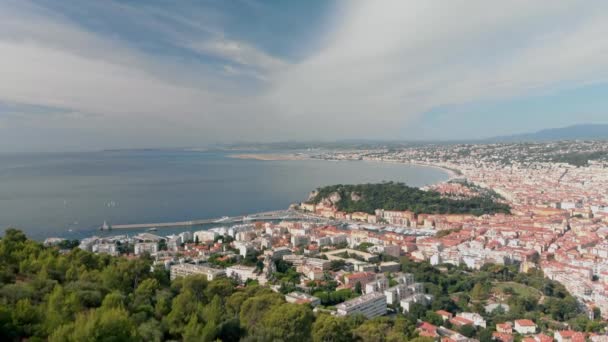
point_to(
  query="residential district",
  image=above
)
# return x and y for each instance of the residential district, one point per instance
(558, 226)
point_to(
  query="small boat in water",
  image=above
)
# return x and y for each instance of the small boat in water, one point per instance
(153, 229)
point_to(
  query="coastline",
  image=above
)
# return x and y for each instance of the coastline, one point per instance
(451, 173)
(269, 156)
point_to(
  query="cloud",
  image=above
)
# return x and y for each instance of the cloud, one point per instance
(113, 87)
(239, 53)
(386, 63)
(147, 76)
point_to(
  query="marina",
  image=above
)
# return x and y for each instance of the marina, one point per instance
(265, 216)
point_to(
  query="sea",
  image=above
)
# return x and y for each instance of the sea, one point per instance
(70, 195)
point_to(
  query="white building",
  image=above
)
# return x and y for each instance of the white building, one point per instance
(524, 326)
(184, 270)
(52, 241)
(378, 285)
(418, 298)
(301, 298)
(300, 240)
(473, 317)
(186, 237)
(143, 247)
(205, 235)
(87, 243)
(105, 248)
(241, 273)
(389, 266)
(370, 305)
(338, 239)
(278, 253)
(245, 248)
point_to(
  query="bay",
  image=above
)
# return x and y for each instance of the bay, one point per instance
(72, 194)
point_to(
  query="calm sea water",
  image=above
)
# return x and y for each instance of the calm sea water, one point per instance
(70, 195)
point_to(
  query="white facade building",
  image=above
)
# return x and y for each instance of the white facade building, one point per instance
(143, 247)
(370, 305)
(184, 270)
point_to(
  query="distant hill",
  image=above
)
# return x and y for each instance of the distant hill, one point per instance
(398, 196)
(575, 132)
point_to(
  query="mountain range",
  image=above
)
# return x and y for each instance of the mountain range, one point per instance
(575, 132)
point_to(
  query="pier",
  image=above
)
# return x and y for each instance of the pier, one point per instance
(265, 216)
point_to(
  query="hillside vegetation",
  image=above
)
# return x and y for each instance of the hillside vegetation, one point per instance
(398, 196)
(52, 295)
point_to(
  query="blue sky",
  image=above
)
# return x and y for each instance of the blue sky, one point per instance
(82, 75)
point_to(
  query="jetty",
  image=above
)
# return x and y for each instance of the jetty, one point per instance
(265, 216)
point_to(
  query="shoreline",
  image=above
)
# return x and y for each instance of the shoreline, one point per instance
(269, 156)
(451, 173)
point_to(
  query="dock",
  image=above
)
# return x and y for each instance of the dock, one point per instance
(265, 216)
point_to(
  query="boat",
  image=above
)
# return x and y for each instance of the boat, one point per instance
(153, 229)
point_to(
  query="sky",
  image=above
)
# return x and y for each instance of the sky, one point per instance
(87, 74)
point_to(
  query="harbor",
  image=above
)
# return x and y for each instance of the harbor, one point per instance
(265, 216)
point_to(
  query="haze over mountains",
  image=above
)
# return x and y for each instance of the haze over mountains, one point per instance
(574, 132)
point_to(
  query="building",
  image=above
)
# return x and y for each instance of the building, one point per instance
(278, 253)
(302, 298)
(524, 326)
(184, 270)
(502, 337)
(300, 240)
(390, 266)
(86, 244)
(318, 263)
(105, 248)
(569, 336)
(148, 237)
(53, 241)
(505, 328)
(459, 321)
(378, 285)
(146, 247)
(444, 314)
(473, 317)
(362, 277)
(242, 273)
(205, 235)
(426, 329)
(370, 305)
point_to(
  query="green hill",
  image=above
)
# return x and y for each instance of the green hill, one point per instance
(398, 196)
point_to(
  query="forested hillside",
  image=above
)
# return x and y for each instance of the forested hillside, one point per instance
(398, 196)
(79, 296)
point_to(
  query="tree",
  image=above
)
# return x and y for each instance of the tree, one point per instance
(358, 287)
(479, 292)
(433, 318)
(98, 325)
(214, 311)
(373, 330)
(254, 308)
(467, 330)
(151, 331)
(193, 330)
(328, 328)
(288, 322)
(183, 308)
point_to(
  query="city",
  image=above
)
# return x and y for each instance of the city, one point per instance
(558, 225)
(303, 171)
